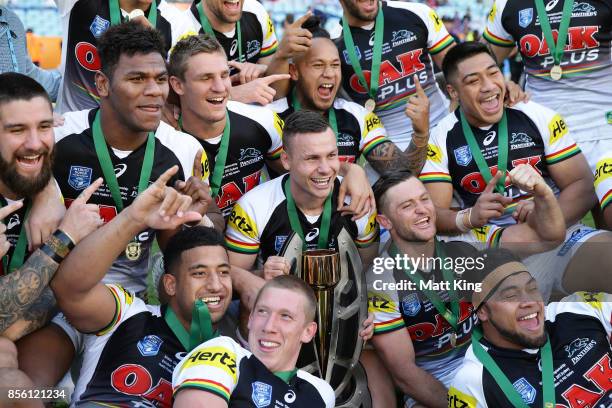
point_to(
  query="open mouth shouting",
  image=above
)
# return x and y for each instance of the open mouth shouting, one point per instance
(233, 6)
(321, 183)
(492, 104)
(530, 322)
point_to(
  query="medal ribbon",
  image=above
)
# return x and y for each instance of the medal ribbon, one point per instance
(379, 28)
(220, 159)
(295, 221)
(556, 49)
(107, 164)
(115, 13)
(19, 252)
(502, 150)
(548, 384)
(331, 113)
(452, 317)
(205, 23)
(201, 326)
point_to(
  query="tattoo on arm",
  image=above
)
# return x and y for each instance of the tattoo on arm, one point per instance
(37, 315)
(386, 156)
(22, 292)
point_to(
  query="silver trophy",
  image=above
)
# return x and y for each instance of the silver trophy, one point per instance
(340, 286)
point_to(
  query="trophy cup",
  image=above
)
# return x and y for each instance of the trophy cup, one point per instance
(339, 285)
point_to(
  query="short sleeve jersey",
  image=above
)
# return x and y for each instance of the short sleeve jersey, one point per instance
(223, 368)
(579, 330)
(259, 223)
(359, 131)
(536, 136)
(255, 136)
(258, 36)
(603, 181)
(130, 362)
(76, 166)
(413, 32)
(582, 96)
(84, 21)
(397, 304)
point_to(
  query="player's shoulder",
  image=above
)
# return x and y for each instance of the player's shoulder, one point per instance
(324, 389)
(270, 192)
(225, 342)
(176, 140)
(253, 112)
(351, 107)
(256, 8)
(445, 125)
(579, 303)
(533, 109)
(401, 7)
(74, 123)
(170, 12)
(279, 106)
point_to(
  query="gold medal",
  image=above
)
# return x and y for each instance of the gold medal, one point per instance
(133, 250)
(370, 105)
(453, 339)
(556, 73)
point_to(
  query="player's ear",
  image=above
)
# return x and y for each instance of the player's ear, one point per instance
(169, 282)
(102, 84)
(452, 92)
(176, 85)
(293, 72)
(384, 222)
(483, 313)
(309, 332)
(284, 157)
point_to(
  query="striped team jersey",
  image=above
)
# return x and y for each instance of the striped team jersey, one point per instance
(413, 32)
(583, 96)
(259, 223)
(603, 181)
(536, 136)
(359, 131)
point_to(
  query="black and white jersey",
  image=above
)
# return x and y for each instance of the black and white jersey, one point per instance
(13, 222)
(259, 223)
(603, 180)
(413, 32)
(536, 136)
(255, 136)
(77, 165)
(130, 362)
(223, 368)
(258, 36)
(359, 131)
(83, 22)
(584, 93)
(412, 310)
(579, 331)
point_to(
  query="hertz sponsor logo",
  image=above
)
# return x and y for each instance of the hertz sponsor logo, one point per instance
(372, 122)
(218, 357)
(457, 399)
(557, 128)
(381, 303)
(603, 170)
(433, 153)
(481, 233)
(436, 20)
(593, 299)
(278, 123)
(240, 221)
(493, 12)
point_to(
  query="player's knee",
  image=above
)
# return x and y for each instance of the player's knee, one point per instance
(8, 353)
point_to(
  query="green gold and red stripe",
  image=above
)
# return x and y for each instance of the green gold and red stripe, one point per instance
(493, 39)
(275, 154)
(563, 154)
(265, 51)
(116, 316)
(435, 177)
(205, 385)
(495, 238)
(441, 45)
(372, 144)
(606, 200)
(242, 247)
(367, 242)
(391, 325)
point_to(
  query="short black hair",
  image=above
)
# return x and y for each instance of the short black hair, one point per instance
(15, 86)
(303, 121)
(186, 239)
(387, 180)
(461, 52)
(129, 38)
(187, 48)
(313, 24)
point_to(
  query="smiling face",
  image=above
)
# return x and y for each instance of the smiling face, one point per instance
(408, 213)
(318, 75)
(514, 316)
(26, 145)
(362, 10)
(206, 87)
(227, 11)
(137, 90)
(479, 85)
(278, 327)
(312, 161)
(202, 273)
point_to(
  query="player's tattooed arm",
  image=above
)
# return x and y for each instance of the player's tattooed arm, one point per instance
(387, 156)
(24, 293)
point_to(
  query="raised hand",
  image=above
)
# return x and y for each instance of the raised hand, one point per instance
(258, 91)
(5, 211)
(82, 219)
(275, 266)
(196, 188)
(489, 204)
(417, 109)
(247, 71)
(295, 39)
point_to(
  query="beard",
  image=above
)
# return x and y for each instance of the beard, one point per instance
(353, 10)
(520, 339)
(23, 186)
